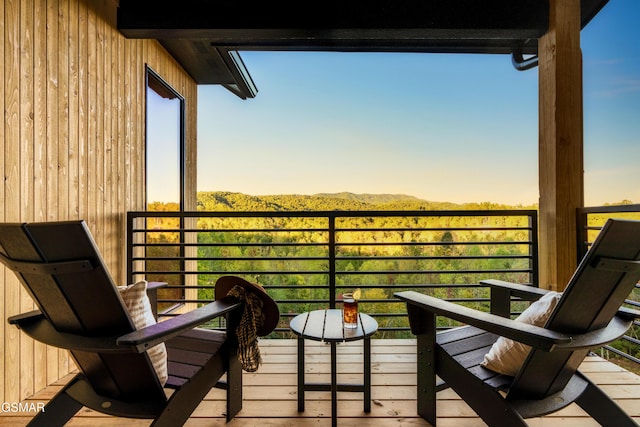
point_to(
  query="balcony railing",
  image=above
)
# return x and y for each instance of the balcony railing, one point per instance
(589, 222)
(306, 260)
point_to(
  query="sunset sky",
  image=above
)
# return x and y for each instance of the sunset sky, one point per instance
(457, 128)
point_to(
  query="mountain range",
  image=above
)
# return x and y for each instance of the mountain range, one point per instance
(230, 201)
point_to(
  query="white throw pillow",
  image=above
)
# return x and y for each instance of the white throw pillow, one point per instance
(137, 302)
(507, 356)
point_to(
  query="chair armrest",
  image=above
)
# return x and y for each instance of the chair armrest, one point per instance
(24, 318)
(152, 293)
(501, 293)
(533, 336)
(36, 326)
(143, 339)
(616, 328)
(153, 286)
(528, 293)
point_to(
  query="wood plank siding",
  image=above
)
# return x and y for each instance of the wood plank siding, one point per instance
(72, 145)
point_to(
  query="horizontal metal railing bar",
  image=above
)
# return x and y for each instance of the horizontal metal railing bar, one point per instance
(632, 302)
(338, 272)
(333, 214)
(325, 230)
(397, 287)
(622, 354)
(337, 258)
(385, 315)
(471, 228)
(457, 271)
(222, 245)
(630, 208)
(226, 258)
(453, 243)
(337, 244)
(319, 301)
(368, 286)
(429, 257)
(631, 339)
(235, 272)
(231, 230)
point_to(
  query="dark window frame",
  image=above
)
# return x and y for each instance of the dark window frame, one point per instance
(156, 83)
(153, 81)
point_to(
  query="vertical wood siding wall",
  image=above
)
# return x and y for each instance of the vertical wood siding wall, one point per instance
(72, 145)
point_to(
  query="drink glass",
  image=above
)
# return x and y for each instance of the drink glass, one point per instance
(350, 311)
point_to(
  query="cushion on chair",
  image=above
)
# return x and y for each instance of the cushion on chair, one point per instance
(507, 356)
(137, 302)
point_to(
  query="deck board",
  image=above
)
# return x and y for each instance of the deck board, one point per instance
(270, 394)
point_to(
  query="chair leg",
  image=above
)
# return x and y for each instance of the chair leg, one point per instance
(423, 326)
(60, 409)
(426, 378)
(603, 409)
(488, 404)
(234, 385)
(185, 400)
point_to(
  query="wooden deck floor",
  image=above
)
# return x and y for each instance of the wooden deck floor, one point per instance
(270, 395)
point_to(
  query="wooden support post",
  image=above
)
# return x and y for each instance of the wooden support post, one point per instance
(561, 180)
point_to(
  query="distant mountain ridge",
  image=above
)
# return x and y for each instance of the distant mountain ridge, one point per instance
(230, 201)
(374, 199)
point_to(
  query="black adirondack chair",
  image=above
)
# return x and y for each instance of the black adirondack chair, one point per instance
(80, 310)
(588, 315)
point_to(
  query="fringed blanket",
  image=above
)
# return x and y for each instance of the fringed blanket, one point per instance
(248, 350)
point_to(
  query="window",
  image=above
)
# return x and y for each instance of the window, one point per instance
(164, 145)
(165, 183)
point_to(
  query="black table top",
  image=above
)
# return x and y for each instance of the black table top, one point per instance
(327, 325)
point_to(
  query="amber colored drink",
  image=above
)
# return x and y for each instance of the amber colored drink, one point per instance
(350, 311)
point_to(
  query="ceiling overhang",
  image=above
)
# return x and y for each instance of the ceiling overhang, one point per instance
(202, 34)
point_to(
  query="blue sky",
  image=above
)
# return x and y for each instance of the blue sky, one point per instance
(457, 128)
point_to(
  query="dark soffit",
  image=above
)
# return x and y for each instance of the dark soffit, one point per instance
(204, 35)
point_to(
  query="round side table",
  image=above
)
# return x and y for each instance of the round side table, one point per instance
(328, 326)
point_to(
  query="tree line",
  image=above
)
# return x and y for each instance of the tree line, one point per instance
(409, 251)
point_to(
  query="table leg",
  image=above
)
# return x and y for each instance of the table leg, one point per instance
(300, 374)
(367, 374)
(334, 386)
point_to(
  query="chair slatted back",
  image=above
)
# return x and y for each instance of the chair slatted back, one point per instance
(79, 301)
(601, 283)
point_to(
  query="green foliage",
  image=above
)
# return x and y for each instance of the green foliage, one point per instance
(443, 256)
(380, 254)
(217, 201)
